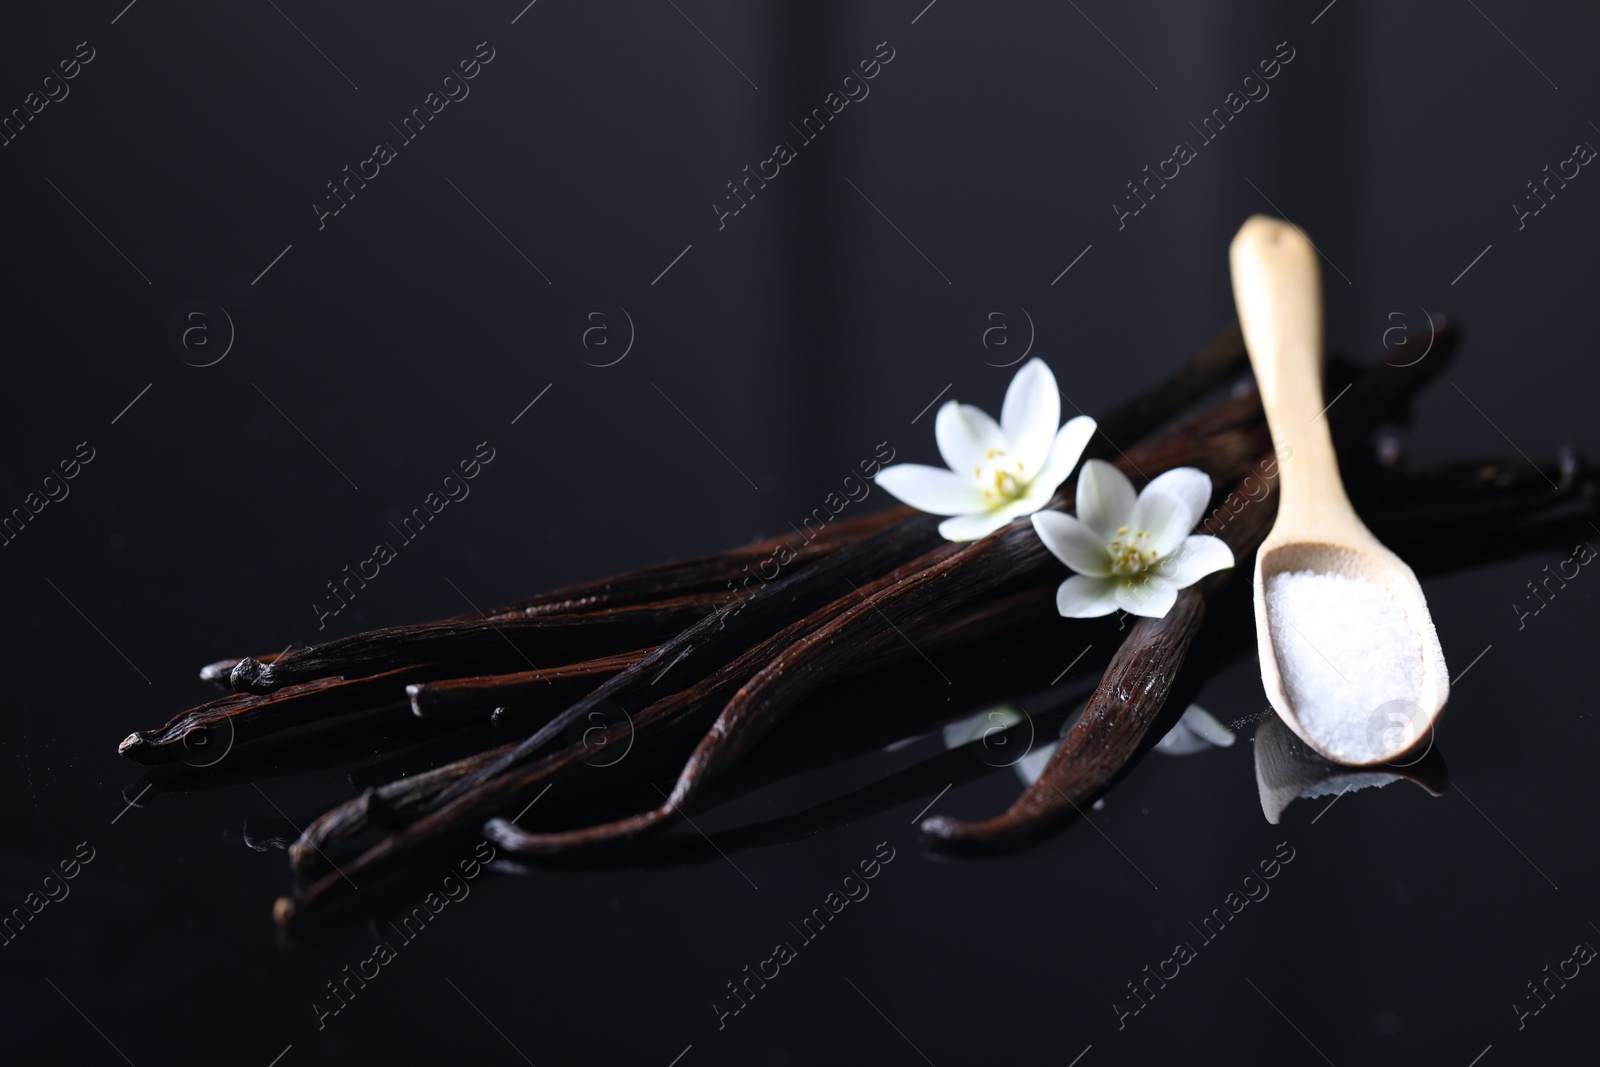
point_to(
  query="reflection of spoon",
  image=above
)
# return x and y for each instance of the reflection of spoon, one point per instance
(1287, 769)
(1317, 534)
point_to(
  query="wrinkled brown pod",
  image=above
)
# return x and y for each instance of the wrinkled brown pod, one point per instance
(1126, 703)
(243, 717)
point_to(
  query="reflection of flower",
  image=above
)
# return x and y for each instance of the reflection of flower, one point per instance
(1197, 731)
(998, 471)
(1131, 552)
(992, 729)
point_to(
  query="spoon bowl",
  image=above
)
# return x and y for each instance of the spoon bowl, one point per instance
(1349, 655)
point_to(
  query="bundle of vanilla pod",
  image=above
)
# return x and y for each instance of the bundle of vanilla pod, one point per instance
(652, 663)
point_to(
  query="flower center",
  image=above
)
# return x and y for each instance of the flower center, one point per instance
(1000, 478)
(1130, 552)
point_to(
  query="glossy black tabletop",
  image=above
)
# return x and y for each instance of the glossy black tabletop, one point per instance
(274, 270)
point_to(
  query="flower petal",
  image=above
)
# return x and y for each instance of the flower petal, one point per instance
(1148, 596)
(1083, 597)
(1189, 485)
(932, 489)
(1198, 556)
(1164, 517)
(972, 527)
(1197, 731)
(982, 725)
(1035, 496)
(966, 435)
(1205, 725)
(1030, 415)
(1181, 741)
(1026, 504)
(1073, 543)
(1065, 451)
(1105, 498)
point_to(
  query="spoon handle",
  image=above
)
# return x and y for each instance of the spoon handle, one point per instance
(1277, 287)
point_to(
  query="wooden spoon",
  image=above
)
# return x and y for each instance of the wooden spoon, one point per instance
(1278, 289)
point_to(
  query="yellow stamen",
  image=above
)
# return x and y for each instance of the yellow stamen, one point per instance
(1128, 558)
(1000, 478)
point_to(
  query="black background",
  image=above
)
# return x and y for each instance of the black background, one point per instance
(796, 338)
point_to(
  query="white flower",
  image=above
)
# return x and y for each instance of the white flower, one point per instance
(998, 471)
(1131, 553)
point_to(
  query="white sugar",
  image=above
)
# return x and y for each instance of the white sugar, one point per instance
(1347, 655)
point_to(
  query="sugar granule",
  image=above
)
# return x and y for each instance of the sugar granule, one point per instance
(1345, 650)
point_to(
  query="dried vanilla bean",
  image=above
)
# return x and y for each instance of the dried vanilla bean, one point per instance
(523, 692)
(841, 605)
(638, 607)
(396, 802)
(1126, 703)
(1234, 431)
(1548, 525)
(944, 580)
(482, 644)
(243, 717)
(1214, 364)
(1224, 439)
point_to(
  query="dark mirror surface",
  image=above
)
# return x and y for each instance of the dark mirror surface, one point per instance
(274, 269)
